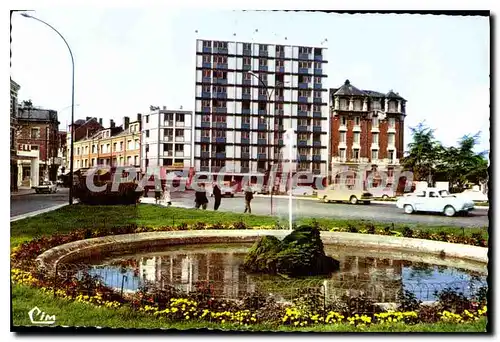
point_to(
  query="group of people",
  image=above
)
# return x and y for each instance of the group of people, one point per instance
(201, 199)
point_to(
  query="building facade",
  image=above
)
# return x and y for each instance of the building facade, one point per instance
(166, 139)
(81, 129)
(247, 95)
(14, 89)
(111, 146)
(37, 144)
(367, 129)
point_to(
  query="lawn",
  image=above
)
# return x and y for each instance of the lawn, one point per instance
(81, 216)
(74, 314)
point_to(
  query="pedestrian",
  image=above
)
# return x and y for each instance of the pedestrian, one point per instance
(217, 196)
(200, 198)
(158, 193)
(166, 195)
(248, 199)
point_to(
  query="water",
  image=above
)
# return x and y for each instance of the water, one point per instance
(380, 275)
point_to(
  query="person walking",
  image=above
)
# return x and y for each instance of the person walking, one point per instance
(166, 195)
(217, 196)
(200, 198)
(158, 193)
(248, 199)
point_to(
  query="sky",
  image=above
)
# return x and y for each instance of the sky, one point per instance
(129, 59)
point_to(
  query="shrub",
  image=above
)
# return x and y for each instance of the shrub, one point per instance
(351, 229)
(219, 225)
(407, 232)
(408, 301)
(370, 228)
(200, 226)
(240, 225)
(125, 195)
(451, 300)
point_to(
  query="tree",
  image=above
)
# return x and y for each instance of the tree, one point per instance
(424, 152)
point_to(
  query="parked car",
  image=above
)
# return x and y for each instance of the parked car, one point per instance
(302, 191)
(47, 187)
(434, 200)
(336, 193)
(473, 195)
(383, 192)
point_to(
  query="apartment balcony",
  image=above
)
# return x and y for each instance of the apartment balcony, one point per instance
(206, 79)
(280, 54)
(204, 168)
(247, 82)
(247, 67)
(261, 141)
(302, 128)
(279, 127)
(280, 142)
(219, 155)
(220, 80)
(245, 111)
(168, 138)
(262, 126)
(221, 50)
(219, 125)
(303, 98)
(262, 97)
(303, 85)
(261, 156)
(247, 52)
(318, 71)
(318, 86)
(180, 124)
(207, 49)
(303, 70)
(179, 139)
(279, 98)
(302, 113)
(316, 157)
(245, 126)
(305, 56)
(263, 53)
(220, 109)
(316, 114)
(317, 100)
(221, 66)
(220, 95)
(205, 109)
(168, 153)
(246, 96)
(245, 170)
(280, 69)
(205, 139)
(262, 67)
(245, 141)
(303, 157)
(168, 123)
(245, 155)
(179, 153)
(318, 58)
(205, 94)
(317, 143)
(205, 124)
(205, 154)
(279, 111)
(302, 143)
(317, 129)
(220, 140)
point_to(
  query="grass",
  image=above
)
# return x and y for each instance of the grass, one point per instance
(69, 218)
(75, 314)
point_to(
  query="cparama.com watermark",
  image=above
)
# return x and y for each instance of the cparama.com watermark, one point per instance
(37, 316)
(353, 177)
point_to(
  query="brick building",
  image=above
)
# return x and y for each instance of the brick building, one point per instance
(367, 129)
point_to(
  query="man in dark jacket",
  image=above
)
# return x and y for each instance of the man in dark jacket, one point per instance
(200, 198)
(248, 199)
(217, 196)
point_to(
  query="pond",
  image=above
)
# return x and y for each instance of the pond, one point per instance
(381, 275)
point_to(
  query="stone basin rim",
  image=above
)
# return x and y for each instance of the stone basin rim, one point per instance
(80, 249)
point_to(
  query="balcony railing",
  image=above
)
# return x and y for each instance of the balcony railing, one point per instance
(205, 94)
(303, 85)
(302, 113)
(280, 54)
(316, 143)
(245, 140)
(316, 114)
(318, 100)
(205, 154)
(303, 98)
(205, 124)
(318, 71)
(168, 123)
(261, 141)
(220, 140)
(179, 139)
(245, 126)
(219, 155)
(280, 69)
(206, 109)
(168, 138)
(263, 53)
(316, 157)
(261, 156)
(168, 153)
(318, 57)
(245, 111)
(304, 56)
(262, 97)
(206, 79)
(302, 128)
(219, 124)
(180, 124)
(245, 170)
(220, 109)
(246, 96)
(279, 111)
(220, 95)
(280, 142)
(220, 50)
(303, 157)
(279, 98)
(318, 86)
(303, 70)
(245, 155)
(204, 168)
(262, 67)
(207, 49)
(302, 143)
(247, 82)
(220, 80)
(179, 153)
(221, 66)
(261, 112)
(247, 52)
(317, 129)
(205, 139)
(247, 67)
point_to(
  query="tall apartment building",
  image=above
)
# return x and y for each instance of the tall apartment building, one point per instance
(112, 146)
(367, 128)
(167, 139)
(247, 95)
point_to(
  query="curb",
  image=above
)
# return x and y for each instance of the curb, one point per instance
(38, 212)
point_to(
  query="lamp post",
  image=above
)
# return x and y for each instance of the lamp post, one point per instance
(72, 103)
(268, 111)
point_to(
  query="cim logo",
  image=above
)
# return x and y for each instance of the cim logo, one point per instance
(37, 316)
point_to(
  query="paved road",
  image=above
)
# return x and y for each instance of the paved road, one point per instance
(24, 204)
(306, 208)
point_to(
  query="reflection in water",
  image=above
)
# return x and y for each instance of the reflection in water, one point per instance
(379, 278)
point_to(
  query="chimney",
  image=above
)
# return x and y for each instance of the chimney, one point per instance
(164, 107)
(139, 117)
(126, 122)
(111, 123)
(100, 121)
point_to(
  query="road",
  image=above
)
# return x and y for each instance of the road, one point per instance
(307, 208)
(24, 204)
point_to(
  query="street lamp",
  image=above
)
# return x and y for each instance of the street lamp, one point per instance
(72, 103)
(268, 111)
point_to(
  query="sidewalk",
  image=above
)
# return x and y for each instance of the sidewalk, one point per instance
(151, 200)
(22, 191)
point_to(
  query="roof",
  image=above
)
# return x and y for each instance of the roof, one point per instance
(36, 114)
(374, 93)
(393, 95)
(350, 90)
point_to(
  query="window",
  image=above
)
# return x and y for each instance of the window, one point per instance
(342, 137)
(247, 46)
(375, 122)
(218, 118)
(147, 118)
(390, 138)
(392, 122)
(433, 194)
(179, 132)
(206, 73)
(421, 194)
(245, 119)
(220, 59)
(204, 148)
(374, 138)
(317, 65)
(262, 61)
(206, 59)
(317, 79)
(374, 154)
(130, 146)
(247, 76)
(302, 136)
(342, 153)
(357, 120)
(114, 147)
(316, 122)
(245, 149)
(205, 103)
(35, 133)
(261, 149)
(356, 137)
(355, 153)
(261, 135)
(343, 121)
(317, 108)
(247, 61)
(262, 47)
(205, 133)
(207, 43)
(280, 63)
(317, 94)
(179, 117)
(245, 135)
(147, 133)
(391, 155)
